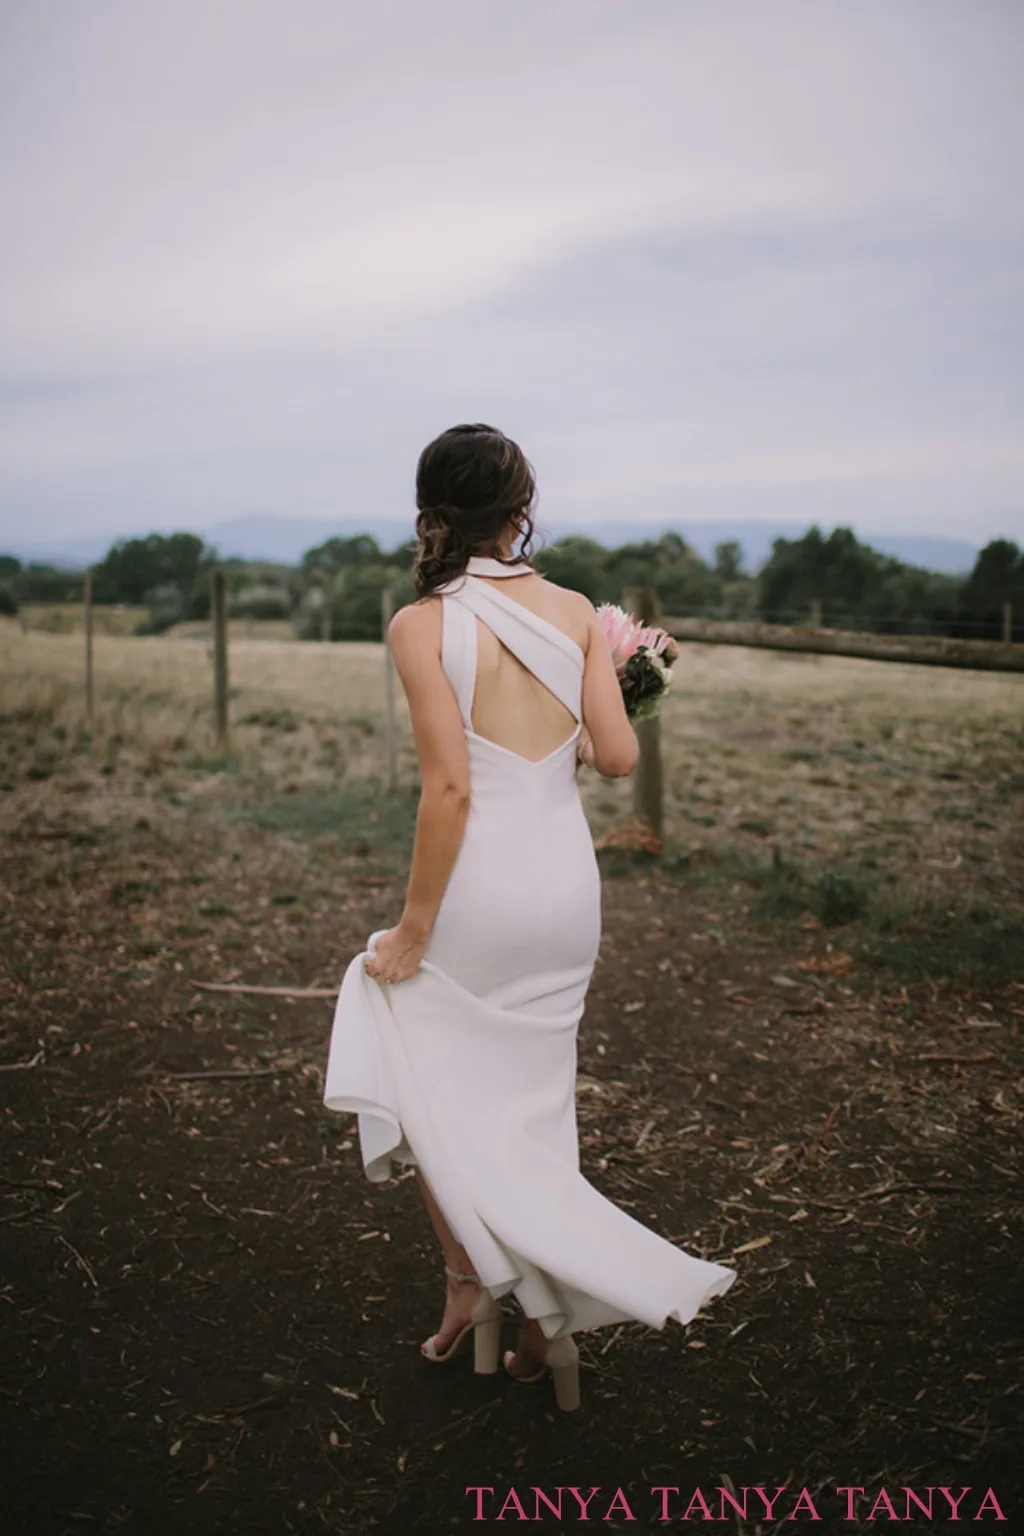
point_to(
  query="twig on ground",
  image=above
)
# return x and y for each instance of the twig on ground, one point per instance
(22, 1066)
(30, 1183)
(445, 1431)
(236, 1413)
(960, 1061)
(613, 1340)
(83, 1263)
(232, 986)
(227, 1072)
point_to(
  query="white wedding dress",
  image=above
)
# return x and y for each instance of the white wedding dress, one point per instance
(469, 1067)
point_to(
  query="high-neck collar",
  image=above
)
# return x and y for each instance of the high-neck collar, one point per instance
(487, 565)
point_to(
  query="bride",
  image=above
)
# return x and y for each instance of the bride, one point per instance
(454, 1036)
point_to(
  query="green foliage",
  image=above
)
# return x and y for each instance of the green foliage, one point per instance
(971, 942)
(682, 580)
(860, 588)
(263, 600)
(675, 571)
(997, 578)
(840, 897)
(166, 608)
(348, 605)
(786, 890)
(45, 584)
(579, 564)
(729, 560)
(335, 590)
(857, 586)
(341, 582)
(242, 575)
(911, 935)
(370, 823)
(337, 555)
(132, 569)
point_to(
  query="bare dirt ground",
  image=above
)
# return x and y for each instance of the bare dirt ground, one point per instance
(795, 1060)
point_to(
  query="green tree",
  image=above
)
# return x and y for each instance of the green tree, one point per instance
(403, 556)
(132, 568)
(676, 572)
(729, 560)
(353, 602)
(47, 584)
(997, 578)
(837, 571)
(338, 554)
(856, 585)
(578, 563)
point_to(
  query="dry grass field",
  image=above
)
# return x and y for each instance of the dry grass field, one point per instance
(69, 618)
(846, 789)
(896, 772)
(801, 1055)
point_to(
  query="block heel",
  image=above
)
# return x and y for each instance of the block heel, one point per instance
(484, 1325)
(487, 1341)
(563, 1360)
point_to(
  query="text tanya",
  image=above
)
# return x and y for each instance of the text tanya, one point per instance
(667, 1503)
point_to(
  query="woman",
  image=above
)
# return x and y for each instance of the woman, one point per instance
(454, 1036)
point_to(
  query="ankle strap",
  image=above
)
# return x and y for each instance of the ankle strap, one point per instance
(455, 1274)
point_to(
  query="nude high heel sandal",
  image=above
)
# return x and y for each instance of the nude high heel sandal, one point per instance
(485, 1325)
(562, 1361)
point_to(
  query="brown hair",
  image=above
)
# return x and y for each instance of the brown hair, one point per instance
(471, 482)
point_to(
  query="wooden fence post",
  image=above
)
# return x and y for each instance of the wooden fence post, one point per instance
(648, 776)
(816, 613)
(325, 610)
(89, 700)
(387, 608)
(1007, 623)
(219, 616)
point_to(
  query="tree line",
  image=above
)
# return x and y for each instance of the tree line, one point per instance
(335, 590)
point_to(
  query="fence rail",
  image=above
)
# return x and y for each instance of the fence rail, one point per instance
(1003, 655)
(920, 650)
(964, 626)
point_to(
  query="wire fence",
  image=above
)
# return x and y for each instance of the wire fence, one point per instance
(959, 626)
(962, 626)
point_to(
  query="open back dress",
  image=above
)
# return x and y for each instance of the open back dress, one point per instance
(469, 1067)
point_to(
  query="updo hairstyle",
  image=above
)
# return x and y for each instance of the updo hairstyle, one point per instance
(471, 483)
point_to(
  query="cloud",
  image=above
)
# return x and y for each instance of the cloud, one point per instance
(257, 256)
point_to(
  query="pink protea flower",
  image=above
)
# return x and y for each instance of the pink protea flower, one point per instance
(626, 636)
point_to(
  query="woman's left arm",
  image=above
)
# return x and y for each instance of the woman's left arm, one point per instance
(415, 639)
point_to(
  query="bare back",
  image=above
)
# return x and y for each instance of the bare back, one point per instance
(511, 706)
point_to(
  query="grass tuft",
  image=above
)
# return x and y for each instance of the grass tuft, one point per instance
(973, 943)
(371, 823)
(910, 934)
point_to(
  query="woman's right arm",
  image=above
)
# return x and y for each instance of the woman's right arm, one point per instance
(614, 747)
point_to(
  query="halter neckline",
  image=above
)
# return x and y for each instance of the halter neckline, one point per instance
(487, 565)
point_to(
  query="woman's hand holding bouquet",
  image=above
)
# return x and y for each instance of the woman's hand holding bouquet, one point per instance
(643, 657)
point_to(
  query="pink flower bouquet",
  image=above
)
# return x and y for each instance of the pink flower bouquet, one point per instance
(643, 658)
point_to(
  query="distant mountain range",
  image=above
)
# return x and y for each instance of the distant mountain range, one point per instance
(285, 540)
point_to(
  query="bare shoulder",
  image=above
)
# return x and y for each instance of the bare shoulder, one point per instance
(416, 625)
(576, 609)
(581, 603)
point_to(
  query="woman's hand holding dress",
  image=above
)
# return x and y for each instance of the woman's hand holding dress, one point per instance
(396, 955)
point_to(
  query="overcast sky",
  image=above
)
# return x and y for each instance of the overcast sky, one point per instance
(701, 261)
